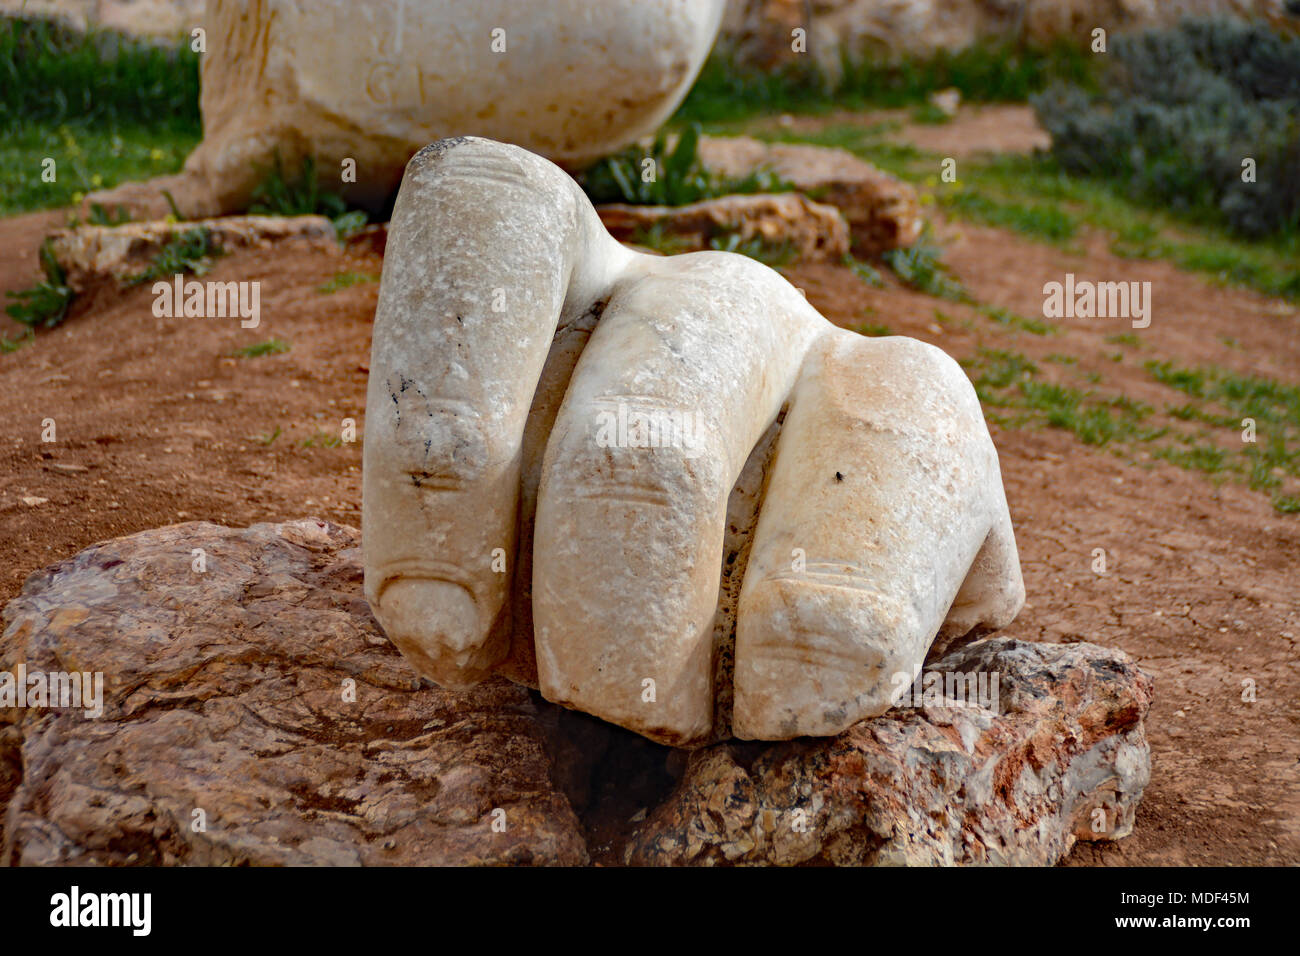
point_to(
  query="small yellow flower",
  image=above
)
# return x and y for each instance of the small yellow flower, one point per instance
(78, 196)
(156, 154)
(96, 180)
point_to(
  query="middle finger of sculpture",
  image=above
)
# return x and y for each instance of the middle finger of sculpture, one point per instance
(566, 441)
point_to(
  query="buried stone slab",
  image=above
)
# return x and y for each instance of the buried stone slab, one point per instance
(90, 255)
(782, 225)
(254, 714)
(882, 211)
(1062, 756)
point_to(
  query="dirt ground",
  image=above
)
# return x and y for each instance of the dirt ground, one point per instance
(983, 128)
(157, 423)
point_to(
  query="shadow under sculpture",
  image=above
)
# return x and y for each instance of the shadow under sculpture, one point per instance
(563, 436)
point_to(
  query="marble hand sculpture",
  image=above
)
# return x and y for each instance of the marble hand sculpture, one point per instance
(566, 441)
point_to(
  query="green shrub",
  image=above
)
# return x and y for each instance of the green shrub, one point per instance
(1178, 110)
(279, 194)
(677, 177)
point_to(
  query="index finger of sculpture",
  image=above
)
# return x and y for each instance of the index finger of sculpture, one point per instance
(690, 364)
(487, 245)
(884, 490)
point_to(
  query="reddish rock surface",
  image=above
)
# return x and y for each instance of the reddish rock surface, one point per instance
(783, 223)
(227, 691)
(1065, 758)
(882, 211)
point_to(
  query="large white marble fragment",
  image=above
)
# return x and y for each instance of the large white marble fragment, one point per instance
(372, 81)
(555, 425)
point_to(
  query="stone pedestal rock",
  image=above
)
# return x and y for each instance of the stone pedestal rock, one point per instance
(253, 714)
(1061, 757)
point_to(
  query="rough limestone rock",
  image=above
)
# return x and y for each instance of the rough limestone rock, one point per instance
(260, 692)
(89, 254)
(372, 81)
(758, 31)
(1062, 757)
(882, 212)
(783, 223)
(225, 693)
(555, 429)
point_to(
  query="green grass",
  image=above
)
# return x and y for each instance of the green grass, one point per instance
(929, 114)
(768, 253)
(1008, 382)
(187, 253)
(1274, 407)
(669, 176)
(1020, 322)
(1032, 196)
(8, 345)
(51, 72)
(109, 109)
(1209, 459)
(864, 271)
(1036, 220)
(321, 439)
(260, 349)
(87, 158)
(46, 304)
(983, 72)
(873, 329)
(299, 193)
(1124, 338)
(920, 267)
(346, 280)
(993, 370)
(1246, 395)
(1017, 192)
(661, 240)
(104, 107)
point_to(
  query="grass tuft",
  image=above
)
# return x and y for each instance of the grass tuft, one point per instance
(186, 253)
(260, 349)
(669, 177)
(46, 304)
